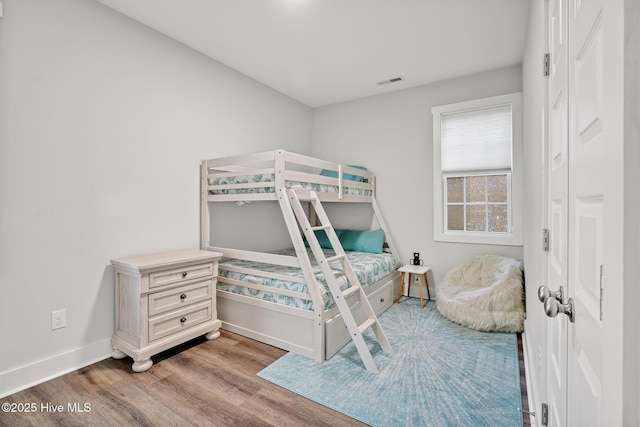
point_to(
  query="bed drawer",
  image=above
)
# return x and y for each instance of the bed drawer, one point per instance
(381, 299)
(179, 320)
(175, 298)
(179, 275)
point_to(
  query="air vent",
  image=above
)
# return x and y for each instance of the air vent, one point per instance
(393, 80)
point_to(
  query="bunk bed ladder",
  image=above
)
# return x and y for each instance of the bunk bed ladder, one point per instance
(336, 281)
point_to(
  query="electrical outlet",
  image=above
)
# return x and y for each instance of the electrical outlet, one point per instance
(58, 319)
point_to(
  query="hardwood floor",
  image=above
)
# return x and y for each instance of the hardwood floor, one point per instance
(204, 383)
(200, 383)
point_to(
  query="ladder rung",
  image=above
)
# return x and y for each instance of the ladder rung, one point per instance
(366, 325)
(321, 227)
(304, 195)
(350, 291)
(334, 258)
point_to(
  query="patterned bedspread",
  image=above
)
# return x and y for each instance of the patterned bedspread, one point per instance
(369, 268)
(269, 178)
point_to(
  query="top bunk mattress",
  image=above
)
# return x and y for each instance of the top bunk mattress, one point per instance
(369, 268)
(265, 183)
(259, 176)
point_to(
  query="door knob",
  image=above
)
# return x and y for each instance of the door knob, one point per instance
(544, 294)
(552, 307)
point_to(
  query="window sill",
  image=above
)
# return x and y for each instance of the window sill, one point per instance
(507, 239)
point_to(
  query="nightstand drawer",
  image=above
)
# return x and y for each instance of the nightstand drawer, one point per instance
(173, 299)
(178, 275)
(179, 320)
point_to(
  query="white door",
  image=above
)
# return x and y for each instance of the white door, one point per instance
(587, 194)
(584, 234)
(558, 164)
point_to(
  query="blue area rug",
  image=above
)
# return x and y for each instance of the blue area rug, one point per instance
(440, 374)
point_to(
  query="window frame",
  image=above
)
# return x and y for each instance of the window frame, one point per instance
(514, 237)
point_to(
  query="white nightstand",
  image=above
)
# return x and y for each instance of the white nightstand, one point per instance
(163, 300)
(420, 270)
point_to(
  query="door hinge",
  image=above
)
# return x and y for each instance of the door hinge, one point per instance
(547, 58)
(545, 239)
(544, 415)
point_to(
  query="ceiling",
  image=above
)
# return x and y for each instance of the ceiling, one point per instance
(321, 52)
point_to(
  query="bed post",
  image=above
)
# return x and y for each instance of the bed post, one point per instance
(278, 169)
(204, 207)
(302, 255)
(307, 269)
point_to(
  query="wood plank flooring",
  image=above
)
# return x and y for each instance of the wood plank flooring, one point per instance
(203, 383)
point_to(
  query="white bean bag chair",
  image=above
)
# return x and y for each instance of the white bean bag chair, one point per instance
(484, 293)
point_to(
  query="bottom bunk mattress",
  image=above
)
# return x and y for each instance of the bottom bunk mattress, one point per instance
(261, 277)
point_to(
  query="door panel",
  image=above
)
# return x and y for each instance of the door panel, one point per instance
(586, 207)
(558, 208)
(588, 392)
(588, 243)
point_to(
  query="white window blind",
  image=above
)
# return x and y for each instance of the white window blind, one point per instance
(477, 140)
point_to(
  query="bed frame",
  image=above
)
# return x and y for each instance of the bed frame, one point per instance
(317, 334)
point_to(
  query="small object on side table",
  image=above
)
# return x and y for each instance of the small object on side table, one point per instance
(420, 270)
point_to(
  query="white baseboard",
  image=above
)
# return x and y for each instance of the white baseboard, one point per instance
(26, 376)
(532, 388)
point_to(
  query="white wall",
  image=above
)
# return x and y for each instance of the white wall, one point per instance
(535, 259)
(103, 125)
(392, 134)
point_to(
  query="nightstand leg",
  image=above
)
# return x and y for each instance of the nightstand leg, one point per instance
(117, 354)
(401, 286)
(426, 281)
(213, 335)
(142, 365)
(420, 286)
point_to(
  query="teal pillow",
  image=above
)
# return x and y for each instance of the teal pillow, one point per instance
(363, 241)
(348, 176)
(323, 239)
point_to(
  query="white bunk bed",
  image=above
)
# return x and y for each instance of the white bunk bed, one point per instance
(279, 298)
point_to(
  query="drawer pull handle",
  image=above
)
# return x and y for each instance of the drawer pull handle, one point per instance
(183, 296)
(184, 319)
(381, 299)
(184, 274)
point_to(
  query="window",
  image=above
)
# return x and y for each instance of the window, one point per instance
(478, 203)
(478, 171)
